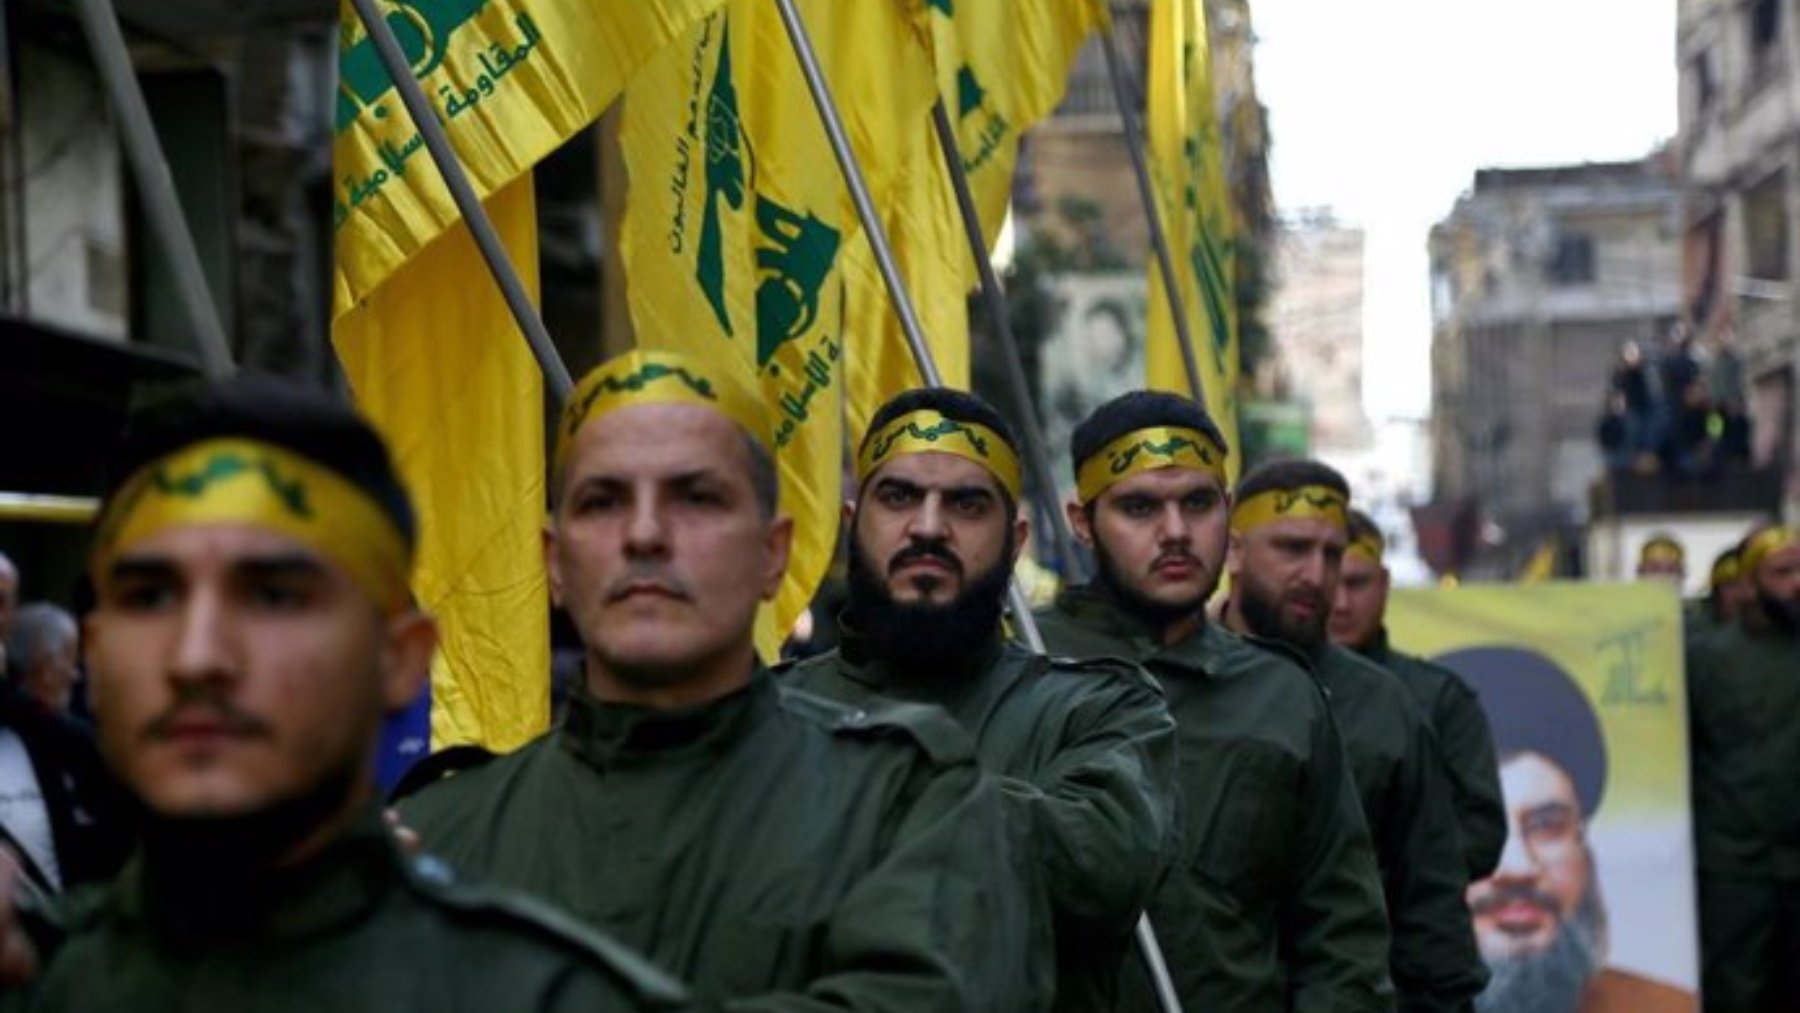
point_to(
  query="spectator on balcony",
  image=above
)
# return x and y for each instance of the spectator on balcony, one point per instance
(1632, 379)
(1733, 450)
(1687, 449)
(1617, 441)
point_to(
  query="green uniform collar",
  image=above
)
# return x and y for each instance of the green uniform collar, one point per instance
(202, 908)
(1378, 649)
(606, 735)
(1092, 607)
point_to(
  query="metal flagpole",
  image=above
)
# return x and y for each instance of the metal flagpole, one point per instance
(154, 183)
(437, 142)
(909, 321)
(1148, 947)
(1159, 238)
(884, 253)
(1037, 451)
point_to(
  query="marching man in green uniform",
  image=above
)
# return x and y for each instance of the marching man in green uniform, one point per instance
(1289, 530)
(1084, 751)
(252, 627)
(1729, 593)
(1744, 716)
(1272, 902)
(775, 850)
(1451, 706)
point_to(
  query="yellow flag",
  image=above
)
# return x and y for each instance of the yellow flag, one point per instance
(999, 68)
(739, 231)
(1542, 564)
(429, 349)
(1188, 168)
(435, 358)
(510, 80)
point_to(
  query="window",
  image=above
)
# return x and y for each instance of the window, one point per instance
(1766, 228)
(1572, 262)
(1765, 24)
(1705, 88)
(1765, 40)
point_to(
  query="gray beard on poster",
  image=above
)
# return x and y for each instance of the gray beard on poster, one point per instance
(1555, 979)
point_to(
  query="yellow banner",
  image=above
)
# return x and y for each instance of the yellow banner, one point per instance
(510, 80)
(1189, 172)
(436, 361)
(1583, 689)
(739, 234)
(999, 68)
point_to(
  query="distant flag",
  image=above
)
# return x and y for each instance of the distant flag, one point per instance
(1542, 564)
(429, 349)
(1188, 167)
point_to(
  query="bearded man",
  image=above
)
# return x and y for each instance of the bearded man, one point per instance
(1744, 730)
(1540, 919)
(1273, 902)
(1289, 532)
(1084, 751)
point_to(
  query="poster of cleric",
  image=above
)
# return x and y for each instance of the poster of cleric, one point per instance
(1592, 906)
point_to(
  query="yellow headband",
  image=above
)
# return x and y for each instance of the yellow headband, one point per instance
(1767, 541)
(926, 432)
(1304, 503)
(1368, 545)
(232, 480)
(657, 377)
(1146, 450)
(1661, 550)
(1726, 570)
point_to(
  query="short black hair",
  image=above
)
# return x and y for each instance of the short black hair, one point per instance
(305, 420)
(1363, 526)
(1134, 410)
(1290, 473)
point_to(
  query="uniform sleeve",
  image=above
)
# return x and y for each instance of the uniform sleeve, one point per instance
(1334, 925)
(944, 922)
(1434, 962)
(1100, 814)
(1468, 750)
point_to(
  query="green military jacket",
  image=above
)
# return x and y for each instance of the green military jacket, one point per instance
(356, 928)
(1466, 745)
(1273, 902)
(1085, 755)
(775, 850)
(1400, 776)
(1698, 622)
(1744, 712)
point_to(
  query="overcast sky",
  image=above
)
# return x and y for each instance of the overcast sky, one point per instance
(1384, 110)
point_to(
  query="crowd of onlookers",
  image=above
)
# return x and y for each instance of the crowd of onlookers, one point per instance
(1682, 414)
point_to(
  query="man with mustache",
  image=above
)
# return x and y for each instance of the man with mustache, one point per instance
(1744, 720)
(1540, 919)
(1289, 530)
(1084, 752)
(251, 628)
(1452, 708)
(1272, 902)
(774, 849)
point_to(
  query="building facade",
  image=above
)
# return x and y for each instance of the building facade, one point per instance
(1739, 147)
(1316, 327)
(1540, 277)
